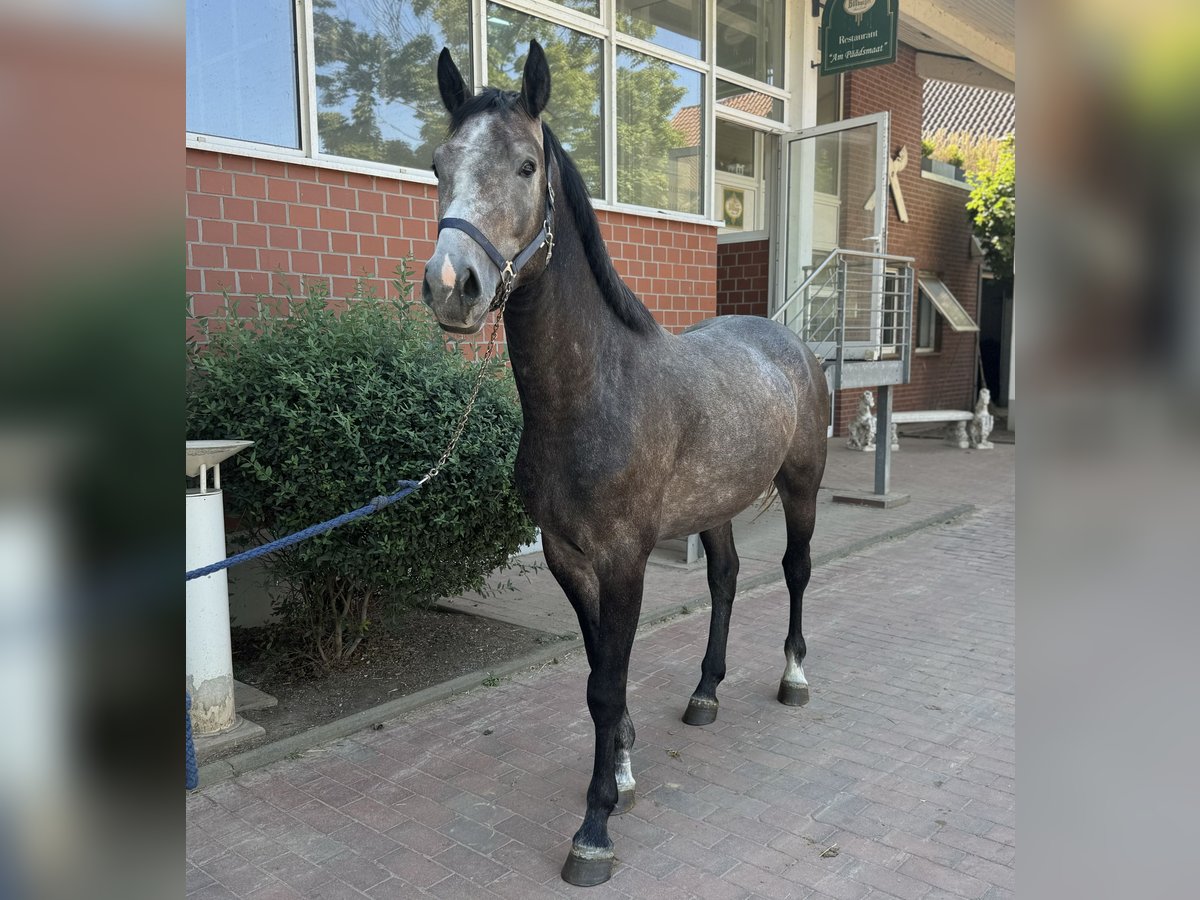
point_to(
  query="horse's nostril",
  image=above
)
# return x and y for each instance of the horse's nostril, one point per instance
(426, 291)
(470, 287)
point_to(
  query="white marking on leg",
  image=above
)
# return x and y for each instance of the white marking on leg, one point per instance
(625, 780)
(794, 672)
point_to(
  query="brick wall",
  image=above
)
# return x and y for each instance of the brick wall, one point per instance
(257, 226)
(937, 235)
(742, 278)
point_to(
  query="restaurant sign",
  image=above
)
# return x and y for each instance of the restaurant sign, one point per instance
(858, 33)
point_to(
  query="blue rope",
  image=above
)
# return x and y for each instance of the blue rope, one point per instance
(191, 772)
(407, 487)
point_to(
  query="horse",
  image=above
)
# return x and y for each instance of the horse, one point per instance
(631, 433)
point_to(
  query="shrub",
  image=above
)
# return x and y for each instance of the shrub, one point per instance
(342, 403)
(993, 210)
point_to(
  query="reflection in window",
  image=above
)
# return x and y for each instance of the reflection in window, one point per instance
(750, 38)
(575, 67)
(735, 149)
(376, 98)
(659, 134)
(737, 97)
(590, 7)
(829, 99)
(674, 24)
(241, 71)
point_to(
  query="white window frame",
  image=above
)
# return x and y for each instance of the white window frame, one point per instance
(604, 27)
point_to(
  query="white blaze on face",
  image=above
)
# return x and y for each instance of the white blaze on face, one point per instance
(448, 274)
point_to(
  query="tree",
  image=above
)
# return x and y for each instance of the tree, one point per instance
(993, 207)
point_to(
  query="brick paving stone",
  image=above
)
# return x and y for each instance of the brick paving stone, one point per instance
(904, 757)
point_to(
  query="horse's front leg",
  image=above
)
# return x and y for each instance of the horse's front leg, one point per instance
(591, 858)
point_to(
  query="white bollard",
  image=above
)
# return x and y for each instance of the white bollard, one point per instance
(209, 656)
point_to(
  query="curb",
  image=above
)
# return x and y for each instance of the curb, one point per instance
(248, 760)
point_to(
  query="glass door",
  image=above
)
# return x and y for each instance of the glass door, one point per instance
(835, 183)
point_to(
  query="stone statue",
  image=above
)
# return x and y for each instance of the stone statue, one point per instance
(981, 425)
(862, 428)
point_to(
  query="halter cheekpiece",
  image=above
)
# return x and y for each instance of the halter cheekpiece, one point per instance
(510, 268)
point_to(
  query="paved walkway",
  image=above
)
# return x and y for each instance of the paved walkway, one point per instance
(895, 781)
(941, 481)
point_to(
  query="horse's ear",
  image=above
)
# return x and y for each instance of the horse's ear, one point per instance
(450, 82)
(535, 83)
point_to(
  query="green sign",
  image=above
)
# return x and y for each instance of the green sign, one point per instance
(858, 33)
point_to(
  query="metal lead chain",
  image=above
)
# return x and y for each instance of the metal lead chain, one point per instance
(479, 375)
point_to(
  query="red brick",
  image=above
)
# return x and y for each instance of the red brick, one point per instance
(273, 260)
(272, 213)
(254, 282)
(314, 194)
(270, 167)
(342, 242)
(252, 235)
(282, 191)
(283, 238)
(302, 216)
(306, 263)
(341, 197)
(331, 176)
(313, 239)
(217, 280)
(237, 209)
(207, 257)
(204, 206)
(370, 201)
(232, 162)
(216, 182)
(241, 257)
(333, 219)
(250, 186)
(370, 245)
(334, 264)
(362, 223)
(388, 226)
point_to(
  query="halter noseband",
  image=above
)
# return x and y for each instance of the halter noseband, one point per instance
(510, 268)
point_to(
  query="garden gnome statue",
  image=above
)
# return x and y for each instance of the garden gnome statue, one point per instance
(862, 428)
(981, 425)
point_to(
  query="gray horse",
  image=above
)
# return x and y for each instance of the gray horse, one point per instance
(631, 433)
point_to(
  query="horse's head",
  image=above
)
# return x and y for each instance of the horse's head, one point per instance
(493, 191)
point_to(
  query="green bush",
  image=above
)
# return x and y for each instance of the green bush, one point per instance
(342, 403)
(993, 210)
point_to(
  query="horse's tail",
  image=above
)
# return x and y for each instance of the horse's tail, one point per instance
(768, 500)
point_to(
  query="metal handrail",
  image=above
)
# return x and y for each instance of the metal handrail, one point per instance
(836, 252)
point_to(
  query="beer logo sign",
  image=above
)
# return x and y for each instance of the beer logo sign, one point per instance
(858, 8)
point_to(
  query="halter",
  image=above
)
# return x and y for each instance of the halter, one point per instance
(510, 268)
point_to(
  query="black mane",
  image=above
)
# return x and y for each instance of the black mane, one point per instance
(617, 294)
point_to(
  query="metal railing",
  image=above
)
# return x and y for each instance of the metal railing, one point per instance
(855, 306)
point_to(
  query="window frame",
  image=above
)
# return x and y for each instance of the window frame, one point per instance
(925, 305)
(603, 26)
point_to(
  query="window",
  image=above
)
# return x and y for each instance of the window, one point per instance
(241, 71)
(574, 110)
(750, 39)
(357, 89)
(740, 188)
(894, 302)
(829, 99)
(659, 134)
(675, 24)
(377, 99)
(928, 331)
(734, 96)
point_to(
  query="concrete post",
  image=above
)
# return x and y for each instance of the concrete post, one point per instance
(209, 654)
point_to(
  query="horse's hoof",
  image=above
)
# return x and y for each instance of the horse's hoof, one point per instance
(584, 872)
(793, 694)
(700, 712)
(625, 801)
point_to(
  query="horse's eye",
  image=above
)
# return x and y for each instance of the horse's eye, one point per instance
(528, 169)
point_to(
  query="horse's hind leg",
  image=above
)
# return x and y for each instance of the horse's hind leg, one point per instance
(722, 584)
(798, 491)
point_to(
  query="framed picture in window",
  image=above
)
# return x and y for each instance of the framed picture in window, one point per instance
(733, 206)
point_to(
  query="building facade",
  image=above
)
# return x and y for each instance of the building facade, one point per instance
(311, 125)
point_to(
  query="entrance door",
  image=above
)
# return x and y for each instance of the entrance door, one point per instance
(835, 184)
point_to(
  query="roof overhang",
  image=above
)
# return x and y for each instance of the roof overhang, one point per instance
(966, 41)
